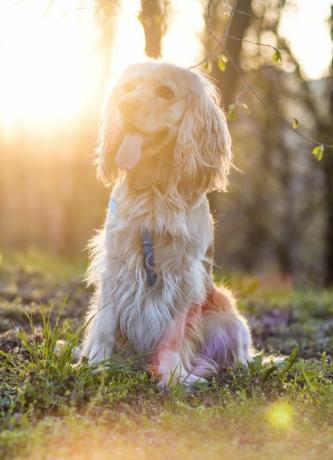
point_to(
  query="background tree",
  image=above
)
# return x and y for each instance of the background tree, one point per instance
(153, 17)
(219, 28)
(327, 167)
(242, 47)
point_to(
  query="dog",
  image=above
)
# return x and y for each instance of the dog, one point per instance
(164, 143)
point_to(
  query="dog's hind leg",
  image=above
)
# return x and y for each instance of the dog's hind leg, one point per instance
(100, 330)
(226, 335)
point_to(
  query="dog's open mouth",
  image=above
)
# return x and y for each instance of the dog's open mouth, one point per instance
(130, 150)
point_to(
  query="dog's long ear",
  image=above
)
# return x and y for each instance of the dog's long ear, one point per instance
(203, 147)
(108, 141)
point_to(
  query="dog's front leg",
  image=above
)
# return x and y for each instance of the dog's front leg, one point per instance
(167, 364)
(101, 325)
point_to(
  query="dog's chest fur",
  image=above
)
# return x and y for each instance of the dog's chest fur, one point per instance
(181, 233)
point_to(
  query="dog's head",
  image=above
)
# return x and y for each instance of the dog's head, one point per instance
(159, 110)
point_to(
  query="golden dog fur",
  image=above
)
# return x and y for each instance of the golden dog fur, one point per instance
(187, 328)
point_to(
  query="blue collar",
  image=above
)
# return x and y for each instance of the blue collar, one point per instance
(148, 257)
(147, 248)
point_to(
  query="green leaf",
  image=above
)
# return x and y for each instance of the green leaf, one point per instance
(207, 66)
(268, 372)
(277, 58)
(290, 361)
(222, 61)
(318, 152)
(295, 123)
(232, 114)
(234, 108)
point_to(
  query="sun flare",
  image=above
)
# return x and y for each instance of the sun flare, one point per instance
(49, 54)
(280, 415)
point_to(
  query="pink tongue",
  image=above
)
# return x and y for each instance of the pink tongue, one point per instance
(129, 152)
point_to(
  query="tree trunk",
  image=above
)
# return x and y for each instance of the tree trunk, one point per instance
(328, 173)
(153, 19)
(228, 80)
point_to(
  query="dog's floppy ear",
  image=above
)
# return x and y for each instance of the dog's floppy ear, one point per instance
(108, 141)
(203, 147)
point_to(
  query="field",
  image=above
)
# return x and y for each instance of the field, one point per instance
(50, 409)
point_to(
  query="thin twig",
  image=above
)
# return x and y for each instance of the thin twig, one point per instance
(221, 45)
(245, 40)
(237, 11)
(270, 108)
(207, 57)
(48, 8)
(220, 42)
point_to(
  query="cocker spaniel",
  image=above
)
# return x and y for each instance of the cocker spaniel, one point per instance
(164, 143)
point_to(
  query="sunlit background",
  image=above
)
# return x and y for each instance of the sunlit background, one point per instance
(50, 59)
(57, 59)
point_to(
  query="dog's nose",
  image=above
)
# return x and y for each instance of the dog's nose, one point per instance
(128, 105)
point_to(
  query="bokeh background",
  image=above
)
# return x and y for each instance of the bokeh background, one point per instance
(272, 61)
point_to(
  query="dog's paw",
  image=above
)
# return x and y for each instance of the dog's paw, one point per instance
(192, 380)
(75, 351)
(188, 380)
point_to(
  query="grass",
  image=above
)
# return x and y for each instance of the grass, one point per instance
(50, 409)
(34, 260)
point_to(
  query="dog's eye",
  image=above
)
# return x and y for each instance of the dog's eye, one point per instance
(165, 92)
(128, 87)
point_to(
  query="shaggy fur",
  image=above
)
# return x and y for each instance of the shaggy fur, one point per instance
(186, 327)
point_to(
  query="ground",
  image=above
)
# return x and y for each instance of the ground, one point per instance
(50, 409)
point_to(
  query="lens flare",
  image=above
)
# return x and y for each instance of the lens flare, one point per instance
(280, 415)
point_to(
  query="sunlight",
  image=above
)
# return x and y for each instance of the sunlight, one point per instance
(181, 43)
(129, 43)
(46, 60)
(49, 54)
(305, 26)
